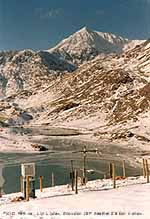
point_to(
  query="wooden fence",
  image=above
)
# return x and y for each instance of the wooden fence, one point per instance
(74, 178)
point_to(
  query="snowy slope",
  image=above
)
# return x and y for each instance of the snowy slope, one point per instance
(132, 44)
(95, 200)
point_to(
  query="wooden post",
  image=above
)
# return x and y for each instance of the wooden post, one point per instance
(21, 183)
(41, 183)
(52, 180)
(0, 192)
(144, 167)
(27, 188)
(76, 181)
(123, 169)
(84, 165)
(110, 170)
(114, 175)
(72, 176)
(147, 171)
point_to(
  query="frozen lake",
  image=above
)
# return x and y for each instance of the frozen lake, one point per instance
(61, 144)
(58, 163)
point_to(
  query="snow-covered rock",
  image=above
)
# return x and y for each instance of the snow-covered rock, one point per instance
(26, 69)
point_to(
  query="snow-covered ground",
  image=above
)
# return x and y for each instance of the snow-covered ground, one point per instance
(95, 200)
(14, 142)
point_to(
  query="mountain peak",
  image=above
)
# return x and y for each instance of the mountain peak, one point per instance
(84, 29)
(86, 44)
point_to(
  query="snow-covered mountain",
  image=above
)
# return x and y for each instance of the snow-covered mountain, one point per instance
(86, 44)
(109, 95)
(21, 70)
(108, 91)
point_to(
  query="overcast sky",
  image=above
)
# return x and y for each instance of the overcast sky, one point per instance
(40, 24)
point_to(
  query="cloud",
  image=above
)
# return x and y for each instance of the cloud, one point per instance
(52, 13)
(49, 13)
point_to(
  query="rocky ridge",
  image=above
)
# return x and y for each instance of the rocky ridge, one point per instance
(23, 70)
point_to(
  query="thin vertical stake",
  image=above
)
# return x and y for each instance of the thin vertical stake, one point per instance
(76, 181)
(123, 169)
(21, 183)
(41, 183)
(144, 167)
(114, 175)
(72, 176)
(110, 170)
(52, 180)
(0, 192)
(84, 166)
(147, 171)
(27, 188)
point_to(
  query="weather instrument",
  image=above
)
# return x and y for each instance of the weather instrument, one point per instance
(84, 152)
(28, 170)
